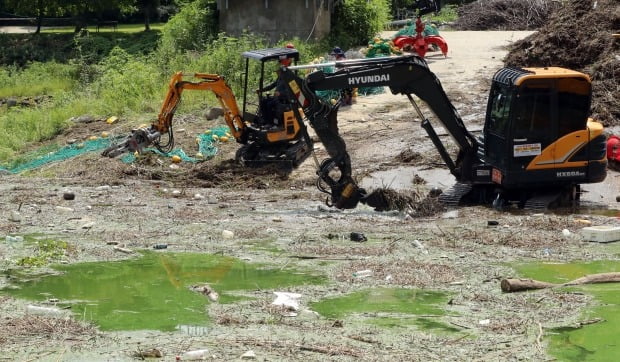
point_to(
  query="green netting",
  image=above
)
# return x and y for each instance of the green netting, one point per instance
(206, 146)
(409, 30)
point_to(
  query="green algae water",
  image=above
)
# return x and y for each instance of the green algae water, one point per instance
(152, 292)
(390, 307)
(594, 342)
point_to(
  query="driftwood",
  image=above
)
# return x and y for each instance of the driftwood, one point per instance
(518, 285)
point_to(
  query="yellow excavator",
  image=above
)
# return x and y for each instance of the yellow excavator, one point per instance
(262, 141)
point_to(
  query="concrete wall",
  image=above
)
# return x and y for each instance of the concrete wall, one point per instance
(276, 19)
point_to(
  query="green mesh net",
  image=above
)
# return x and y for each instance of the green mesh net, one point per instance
(206, 146)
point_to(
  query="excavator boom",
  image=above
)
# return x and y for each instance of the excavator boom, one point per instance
(406, 75)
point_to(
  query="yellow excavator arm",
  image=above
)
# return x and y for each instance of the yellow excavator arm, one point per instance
(142, 137)
(212, 82)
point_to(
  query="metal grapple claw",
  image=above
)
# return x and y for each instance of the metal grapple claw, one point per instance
(344, 192)
(137, 141)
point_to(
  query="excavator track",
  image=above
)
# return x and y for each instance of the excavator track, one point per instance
(453, 196)
(290, 156)
(541, 202)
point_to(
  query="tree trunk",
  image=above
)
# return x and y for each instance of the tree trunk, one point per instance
(39, 23)
(518, 285)
(147, 18)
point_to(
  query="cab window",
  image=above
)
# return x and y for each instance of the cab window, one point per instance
(533, 112)
(501, 98)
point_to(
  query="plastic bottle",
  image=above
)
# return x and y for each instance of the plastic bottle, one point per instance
(199, 354)
(362, 273)
(16, 238)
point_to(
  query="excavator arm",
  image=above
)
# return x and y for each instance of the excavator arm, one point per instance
(145, 136)
(406, 75)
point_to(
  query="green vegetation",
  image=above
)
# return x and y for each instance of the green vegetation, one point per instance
(125, 72)
(390, 307)
(40, 79)
(45, 251)
(593, 342)
(121, 28)
(447, 14)
(153, 291)
(367, 17)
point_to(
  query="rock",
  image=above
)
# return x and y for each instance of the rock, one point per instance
(214, 113)
(86, 118)
(15, 216)
(11, 102)
(68, 196)
(453, 214)
(249, 355)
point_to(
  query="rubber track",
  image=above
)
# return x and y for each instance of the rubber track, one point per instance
(453, 196)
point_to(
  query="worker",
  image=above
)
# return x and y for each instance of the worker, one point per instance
(272, 107)
(346, 95)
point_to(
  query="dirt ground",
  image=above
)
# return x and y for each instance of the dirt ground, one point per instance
(188, 207)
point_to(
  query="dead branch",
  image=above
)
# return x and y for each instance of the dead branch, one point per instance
(518, 285)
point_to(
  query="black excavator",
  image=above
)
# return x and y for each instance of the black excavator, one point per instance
(537, 147)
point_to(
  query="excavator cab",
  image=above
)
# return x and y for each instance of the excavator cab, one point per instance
(537, 131)
(256, 101)
(276, 132)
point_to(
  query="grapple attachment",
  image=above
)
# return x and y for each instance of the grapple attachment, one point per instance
(137, 141)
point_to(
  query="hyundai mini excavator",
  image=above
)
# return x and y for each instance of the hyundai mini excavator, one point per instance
(261, 140)
(536, 149)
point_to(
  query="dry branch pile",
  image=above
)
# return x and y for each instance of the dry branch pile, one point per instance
(504, 14)
(575, 34)
(579, 36)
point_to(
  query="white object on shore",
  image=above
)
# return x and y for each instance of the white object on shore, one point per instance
(45, 311)
(287, 300)
(362, 273)
(196, 355)
(601, 234)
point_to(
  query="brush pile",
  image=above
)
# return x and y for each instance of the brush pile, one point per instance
(576, 34)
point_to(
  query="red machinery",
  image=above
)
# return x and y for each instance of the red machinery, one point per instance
(420, 43)
(613, 152)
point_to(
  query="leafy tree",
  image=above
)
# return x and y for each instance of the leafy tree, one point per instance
(148, 8)
(192, 28)
(36, 8)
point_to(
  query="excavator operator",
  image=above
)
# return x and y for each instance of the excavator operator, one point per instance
(272, 107)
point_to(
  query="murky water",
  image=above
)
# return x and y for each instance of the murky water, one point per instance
(391, 307)
(152, 292)
(402, 178)
(593, 342)
(595, 196)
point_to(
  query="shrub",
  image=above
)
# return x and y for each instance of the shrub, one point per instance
(191, 29)
(355, 22)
